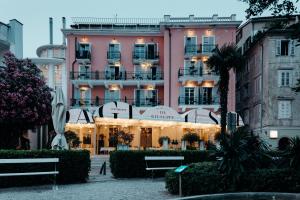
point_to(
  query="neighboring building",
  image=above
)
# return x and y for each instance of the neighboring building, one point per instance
(51, 61)
(156, 66)
(264, 95)
(147, 62)
(11, 38)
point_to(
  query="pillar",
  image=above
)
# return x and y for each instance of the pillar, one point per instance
(51, 75)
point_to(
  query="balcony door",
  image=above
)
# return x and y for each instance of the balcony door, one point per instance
(189, 96)
(139, 51)
(206, 94)
(190, 44)
(84, 72)
(113, 72)
(151, 50)
(192, 68)
(145, 97)
(112, 95)
(83, 96)
(114, 50)
(208, 44)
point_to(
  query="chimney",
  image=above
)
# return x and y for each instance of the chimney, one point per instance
(215, 17)
(51, 29)
(191, 17)
(167, 18)
(233, 17)
(64, 27)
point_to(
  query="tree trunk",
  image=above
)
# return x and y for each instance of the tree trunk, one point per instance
(223, 87)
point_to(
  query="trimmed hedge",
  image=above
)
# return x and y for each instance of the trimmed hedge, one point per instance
(131, 164)
(73, 167)
(204, 178)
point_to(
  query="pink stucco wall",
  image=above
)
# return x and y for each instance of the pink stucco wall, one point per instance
(169, 92)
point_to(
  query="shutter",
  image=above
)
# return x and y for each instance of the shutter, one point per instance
(278, 47)
(280, 109)
(292, 47)
(279, 78)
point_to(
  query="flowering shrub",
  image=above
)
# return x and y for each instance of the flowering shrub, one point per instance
(25, 99)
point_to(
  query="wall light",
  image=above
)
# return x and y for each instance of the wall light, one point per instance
(84, 39)
(273, 134)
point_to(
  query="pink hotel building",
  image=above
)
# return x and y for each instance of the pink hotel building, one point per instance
(146, 62)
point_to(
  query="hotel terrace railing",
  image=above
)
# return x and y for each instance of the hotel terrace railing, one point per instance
(145, 55)
(194, 72)
(142, 102)
(114, 55)
(123, 75)
(199, 49)
(182, 100)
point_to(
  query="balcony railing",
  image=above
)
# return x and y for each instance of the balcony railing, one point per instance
(199, 49)
(114, 55)
(182, 100)
(83, 54)
(194, 72)
(145, 55)
(141, 102)
(123, 75)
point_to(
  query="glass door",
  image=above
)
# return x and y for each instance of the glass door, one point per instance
(189, 95)
(114, 51)
(151, 51)
(112, 95)
(191, 45)
(139, 51)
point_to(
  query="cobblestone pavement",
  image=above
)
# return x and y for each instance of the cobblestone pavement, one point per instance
(99, 187)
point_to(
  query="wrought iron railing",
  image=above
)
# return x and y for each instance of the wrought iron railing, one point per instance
(115, 55)
(186, 100)
(199, 49)
(194, 72)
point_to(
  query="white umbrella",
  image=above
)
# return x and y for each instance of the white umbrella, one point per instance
(59, 120)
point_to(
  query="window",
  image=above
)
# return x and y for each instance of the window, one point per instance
(152, 51)
(284, 78)
(191, 44)
(112, 95)
(84, 72)
(114, 51)
(208, 43)
(145, 97)
(189, 95)
(284, 109)
(285, 47)
(207, 96)
(139, 51)
(83, 51)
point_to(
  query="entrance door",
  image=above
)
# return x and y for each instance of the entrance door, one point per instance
(113, 140)
(146, 137)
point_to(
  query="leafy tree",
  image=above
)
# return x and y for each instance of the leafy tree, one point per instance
(25, 99)
(297, 86)
(277, 7)
(222, 61)
(292, 154)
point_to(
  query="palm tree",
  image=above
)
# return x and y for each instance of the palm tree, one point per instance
(222, 61)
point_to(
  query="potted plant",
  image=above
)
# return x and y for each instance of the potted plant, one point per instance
(164, 142)
(124, 140)
(72, 139)
(191, 138)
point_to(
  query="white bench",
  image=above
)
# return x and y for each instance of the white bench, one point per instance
(30, 161)
(162, 158)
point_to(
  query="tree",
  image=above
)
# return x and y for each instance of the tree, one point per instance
(297, 86)
(222, 61)
(25, 99)
(72, 139)
(277, 7)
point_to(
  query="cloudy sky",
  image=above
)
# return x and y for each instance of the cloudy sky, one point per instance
(34, 14)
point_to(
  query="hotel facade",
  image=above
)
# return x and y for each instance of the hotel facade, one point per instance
(145, 69)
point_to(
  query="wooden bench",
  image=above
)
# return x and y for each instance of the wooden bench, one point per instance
(31, 161)
(162, 158)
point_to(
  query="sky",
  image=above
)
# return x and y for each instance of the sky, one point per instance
(34, 14)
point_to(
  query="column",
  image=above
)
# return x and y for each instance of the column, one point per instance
(51, 76)
(95, 140)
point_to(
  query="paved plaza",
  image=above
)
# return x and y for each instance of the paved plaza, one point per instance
(98, 187)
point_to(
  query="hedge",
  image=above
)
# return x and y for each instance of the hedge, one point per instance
(131, 164)
(204, 178)
(73, 167)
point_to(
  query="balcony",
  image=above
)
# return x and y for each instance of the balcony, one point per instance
(197, 101)
(123, 78)
(113, 56)
(196, 74)
(142, 102)
(141, 57)
(199, 50)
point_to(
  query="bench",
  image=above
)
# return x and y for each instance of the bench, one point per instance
(31, 161)
(162, 158)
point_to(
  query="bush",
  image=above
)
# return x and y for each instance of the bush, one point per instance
(162, 138)
(205, 178)
(131, 164)
(73, 167)
(191, 138)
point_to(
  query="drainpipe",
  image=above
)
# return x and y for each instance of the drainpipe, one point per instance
(262, 88)
(73, 66)
(170, 65)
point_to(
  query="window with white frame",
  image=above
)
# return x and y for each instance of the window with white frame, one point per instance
(208, 43)
(284, 78)
(285, 47)
(284, 109)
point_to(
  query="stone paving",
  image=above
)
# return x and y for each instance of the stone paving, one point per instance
(99, 187)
